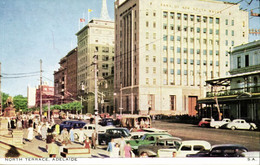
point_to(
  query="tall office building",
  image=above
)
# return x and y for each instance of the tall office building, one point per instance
(166, 49)
(96, 38)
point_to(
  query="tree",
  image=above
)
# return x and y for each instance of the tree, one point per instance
(4, 98)
(20, 102)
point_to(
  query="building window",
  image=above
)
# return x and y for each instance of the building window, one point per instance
(226, 32)
(164, 70)
(217, 52)
(154, 24)
(217, 63)
(154, 47)
(210, 63)
(165, 37)
(178, 60)
(147, 69)
(191, 51)
(191, 40)
(172, 27)
(154, 35)
(185, 72)
(210, 20)
(178, 49)
(204, 19)
(217, 42)
(217, 20)
(198, 62)
(147, 81)
(147, 35)
(246, 60)
(178, 38)
(185, 16)
(204, 41)
(172, 38)
(171, 60)
(171, 48)
(191, 61)
(217, 32)
(178, 16)
(226, 21)
(154, 81)
(178, 72)
(191, 17)
(204, 62)
(204, 30)
(164, 26)
(147, 24)
(165, 48)
(232, 23)
(147, 13)
(226, 42)
(147, 46)
(172, 71)
(179, 28)
(154, 70)
(105, 49)
(226, 63)
(171, 15)
(154, 14)
(105, 58)
(204, 52)
(147, 58)
(173, 102)
(198, 30)
(232, 43)
(210, 31)
(238, 62)
(233, 33)
(198, 18)
(198, 51)
(154, 58)
(104, 66)
(210, 52)
(191, 29)
(185, 61)
(185, 28)
(164, 59)
(165, 14)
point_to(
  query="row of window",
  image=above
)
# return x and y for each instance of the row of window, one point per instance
(187, 17)
(185, 61)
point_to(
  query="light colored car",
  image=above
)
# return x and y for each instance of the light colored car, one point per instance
(88, 129)
(218, 124)
(186, 147)
(241, 124)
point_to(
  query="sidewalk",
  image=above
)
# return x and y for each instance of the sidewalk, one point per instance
(38, 147)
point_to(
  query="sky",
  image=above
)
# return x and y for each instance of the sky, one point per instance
(31, 30)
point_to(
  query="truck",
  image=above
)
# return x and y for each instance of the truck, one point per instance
(218, 124)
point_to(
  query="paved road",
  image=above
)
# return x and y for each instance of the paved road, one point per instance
(249, 139)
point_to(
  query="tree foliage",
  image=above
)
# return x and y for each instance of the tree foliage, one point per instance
(20, 102)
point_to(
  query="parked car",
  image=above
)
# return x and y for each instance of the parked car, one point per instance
(71, 124)
(161, 143)
(205, 122)
(88, 129)
(106, 122)
(218, 124)
(251, 154)
(148, 138)
(222, 150)
(186, 147)
(241, 124)
(155, 130)
(113, 133)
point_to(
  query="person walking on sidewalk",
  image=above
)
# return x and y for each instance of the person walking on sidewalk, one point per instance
(30, 133)
(53, 149)
(87, 144)
(72, 134)
(44, 131)
(81, 136)
(110, 147)
(122, 147)
(128, 150)
(93, 139)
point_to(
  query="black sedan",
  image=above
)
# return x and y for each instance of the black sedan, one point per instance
(222, 150)
(71, 124)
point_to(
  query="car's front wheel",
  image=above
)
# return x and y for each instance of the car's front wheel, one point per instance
(233, 127)
(217, 127)
(252, 128)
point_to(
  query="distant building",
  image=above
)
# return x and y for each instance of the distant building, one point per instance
(96, 38)
(166, 49)
(31, 96)
(47, 94)
(65, 79)
(238, 95)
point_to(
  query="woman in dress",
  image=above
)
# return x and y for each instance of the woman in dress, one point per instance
(87, 144)
(128, 150)
(30, 133)
(44, 131)
(72, 134)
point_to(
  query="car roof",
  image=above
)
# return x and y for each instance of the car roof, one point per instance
(74, 121)
(169, 138)
(229, 146)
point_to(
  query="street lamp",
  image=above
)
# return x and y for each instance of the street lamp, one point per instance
(121, 108)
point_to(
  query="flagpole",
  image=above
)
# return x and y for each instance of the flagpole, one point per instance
(83, 18)
(88, 16)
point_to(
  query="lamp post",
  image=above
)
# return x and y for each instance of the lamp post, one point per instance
(121, 108)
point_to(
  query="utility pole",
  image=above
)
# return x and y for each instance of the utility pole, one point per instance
(1, 103)
(96, 96)
(40, 90)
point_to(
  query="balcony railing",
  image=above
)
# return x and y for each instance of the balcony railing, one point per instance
(236, 91)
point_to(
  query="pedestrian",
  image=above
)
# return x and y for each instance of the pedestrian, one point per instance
(44, 131)
(87, 144)
(144, 155)
(19, 124)
(127, 150)
(25, 122)
(142, 124)
(110, 147)
(81, 136)
(115, 152)
(13, 126)
(53, 149)
(65, 136)
(57, 129)
(122, 147)
(39, 129)
(52, 120)
(94, 139)
(30, 133)
(71, 134)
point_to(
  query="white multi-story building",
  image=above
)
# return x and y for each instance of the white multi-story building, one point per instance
(31, 96)
(96, 38)
(166, 49)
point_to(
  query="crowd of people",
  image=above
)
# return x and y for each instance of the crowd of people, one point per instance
(117, 150)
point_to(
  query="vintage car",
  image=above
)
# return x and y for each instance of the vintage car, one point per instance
(134, 121)
(113, 133)
(222, 150)
(186, 147)
(71, 124)
(218, 124)
(205, 122)
(148, 138)
(162, 143)
(241, 124)
(106, 122)
(88, 129)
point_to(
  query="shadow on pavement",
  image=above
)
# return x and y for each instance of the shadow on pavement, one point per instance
(43, 149)
(105, 156)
